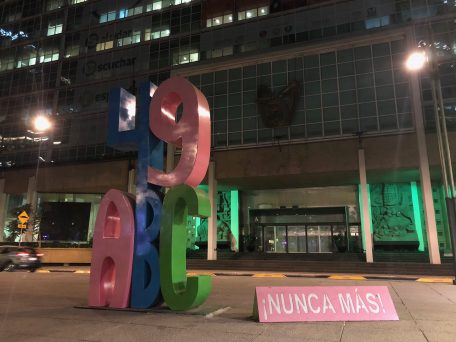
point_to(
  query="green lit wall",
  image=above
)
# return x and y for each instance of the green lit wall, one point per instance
(397, 216)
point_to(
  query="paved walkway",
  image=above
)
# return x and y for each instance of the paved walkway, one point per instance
(41, 307)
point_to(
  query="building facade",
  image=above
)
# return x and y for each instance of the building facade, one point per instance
(317, 137)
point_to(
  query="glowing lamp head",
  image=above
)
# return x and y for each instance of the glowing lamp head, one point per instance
(416, 61)
(41, 123)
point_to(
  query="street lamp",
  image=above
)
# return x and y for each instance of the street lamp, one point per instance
(41, 124)
(426, 59)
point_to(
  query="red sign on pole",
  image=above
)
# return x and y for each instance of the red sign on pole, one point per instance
(323, 303)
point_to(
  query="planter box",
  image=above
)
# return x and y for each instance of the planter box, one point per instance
(66, 255)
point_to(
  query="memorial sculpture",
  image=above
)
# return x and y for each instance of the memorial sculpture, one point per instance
(128, 268)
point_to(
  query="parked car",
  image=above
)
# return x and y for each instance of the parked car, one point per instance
(15, 257)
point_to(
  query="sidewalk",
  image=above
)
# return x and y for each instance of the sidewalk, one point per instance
(42, 307)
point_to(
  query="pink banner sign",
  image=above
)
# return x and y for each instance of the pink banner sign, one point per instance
(323, 303)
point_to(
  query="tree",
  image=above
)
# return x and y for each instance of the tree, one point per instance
(11, 229)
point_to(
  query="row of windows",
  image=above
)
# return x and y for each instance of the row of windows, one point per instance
(18, 9)
(242, 15)
(153, 6)
(56, 4)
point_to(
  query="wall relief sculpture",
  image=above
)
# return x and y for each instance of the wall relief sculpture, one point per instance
(392, 216)
(277, 110)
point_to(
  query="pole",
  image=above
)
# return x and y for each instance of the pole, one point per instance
(35, 207)
(439, 136)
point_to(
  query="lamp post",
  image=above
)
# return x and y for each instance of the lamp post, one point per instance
(417, 61)
(41, 124)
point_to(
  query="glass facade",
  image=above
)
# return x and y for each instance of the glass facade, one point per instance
(90, 46)
(360, 89)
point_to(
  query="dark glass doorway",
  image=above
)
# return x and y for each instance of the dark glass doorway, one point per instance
(310, 238)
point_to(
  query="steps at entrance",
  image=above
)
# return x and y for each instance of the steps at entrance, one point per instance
(335, 265)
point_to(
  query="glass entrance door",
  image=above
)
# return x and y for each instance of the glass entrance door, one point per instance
(319, 239)
(275, 239)
(297, 241)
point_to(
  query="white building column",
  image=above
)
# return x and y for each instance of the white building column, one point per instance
(212, 221)
(2, 208)
(365, 212)
(426, 188)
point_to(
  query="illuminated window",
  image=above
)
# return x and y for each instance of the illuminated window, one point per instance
(263, 11)
(186, 57)
(252, 13)
(134, 11)
(54, 28)
(74, 2)
(71, 51)
(6, 63)
(26, 60)
(178, 2)
(105, 45)
(223, 19)
(134, 38)
(156, 33)
(109, 16)
(123, 13)
(158, 5)
(49, 55)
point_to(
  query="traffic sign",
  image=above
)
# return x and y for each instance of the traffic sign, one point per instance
(21, 226)
(23, 217)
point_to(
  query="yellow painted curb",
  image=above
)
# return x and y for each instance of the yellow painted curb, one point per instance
(82, 272)
(346, 277)
(435, 280)
(268, 275)
(194, 274)
(43, 271)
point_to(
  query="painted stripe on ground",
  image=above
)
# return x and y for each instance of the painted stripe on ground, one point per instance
(346, 277)
(269, 275)
(83, 271)
(194, 274)
(43, 271)
(435, 280)
(218, 312)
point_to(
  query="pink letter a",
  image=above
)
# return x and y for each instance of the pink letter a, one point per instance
(112, 252)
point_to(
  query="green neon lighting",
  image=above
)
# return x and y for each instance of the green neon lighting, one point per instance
(235, 216)
(417, 215)
(360, 200)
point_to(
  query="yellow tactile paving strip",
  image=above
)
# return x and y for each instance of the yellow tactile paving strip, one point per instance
(437, 280)
(347, 277)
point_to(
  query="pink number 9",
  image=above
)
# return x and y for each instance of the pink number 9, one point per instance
(192, 132)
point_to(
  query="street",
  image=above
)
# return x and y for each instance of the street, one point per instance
(41, 307)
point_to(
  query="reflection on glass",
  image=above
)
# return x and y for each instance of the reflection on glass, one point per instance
(319, 239)
(312, 239)
(325, 239)
(127, 111)
(275, 239)
(258, 239)
(297, 239)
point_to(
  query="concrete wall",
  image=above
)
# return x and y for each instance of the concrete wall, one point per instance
(388, 158)
(81, 178)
